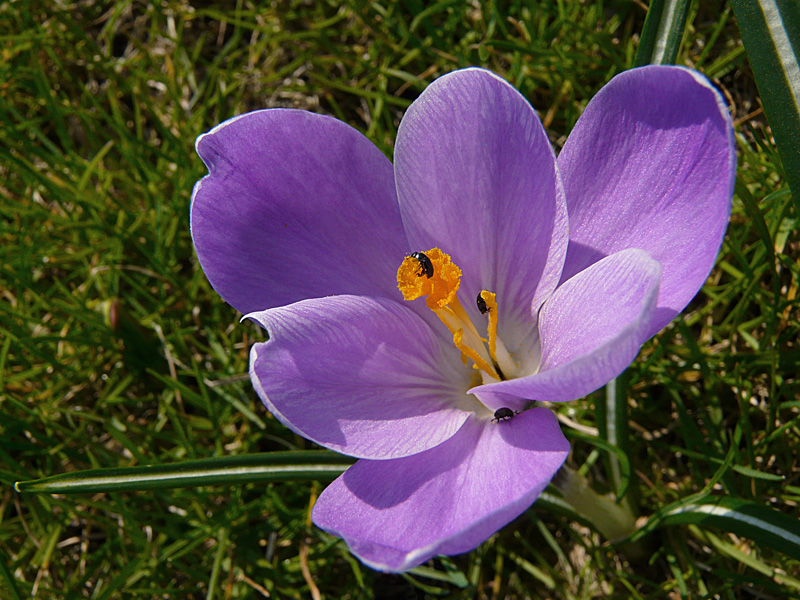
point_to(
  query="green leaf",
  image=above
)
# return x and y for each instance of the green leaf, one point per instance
(749, 559)
(451, 575)
(771, 35)
(10, 581)
(755, 216)
(525, 565)
(612, 422)
(622, 471)
(662, 33)
(270, 466)
(761, 524)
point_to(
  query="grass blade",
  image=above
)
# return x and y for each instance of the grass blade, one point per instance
(618, 458)
(761, 524)
(612, 422)
(662, 33)
(270, 466)
(771, 35)
(10, 581)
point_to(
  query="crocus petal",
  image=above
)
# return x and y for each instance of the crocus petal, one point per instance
(296, 205)
(591, 329)
(399, 513)
(476, 177)
(651, 165)
(363, 376)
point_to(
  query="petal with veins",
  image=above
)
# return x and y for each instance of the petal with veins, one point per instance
(362, 376)
(446, 500)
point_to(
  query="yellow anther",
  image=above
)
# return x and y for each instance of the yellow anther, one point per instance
(440, 287)
(489, 307)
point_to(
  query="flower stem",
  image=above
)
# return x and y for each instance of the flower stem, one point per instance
(613, 520)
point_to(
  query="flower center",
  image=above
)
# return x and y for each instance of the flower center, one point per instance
(433, 275)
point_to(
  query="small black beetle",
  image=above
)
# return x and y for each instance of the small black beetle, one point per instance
(503, 414)
(425, 264)
(482, 305)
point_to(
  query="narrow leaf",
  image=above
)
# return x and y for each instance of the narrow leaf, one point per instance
(749, 559)
(454, 577)
(622, 466)
(612, 422)
(755, 216)
(761, 524)
(270, 466)
(10, 580)
(771, 35)
(662, 33)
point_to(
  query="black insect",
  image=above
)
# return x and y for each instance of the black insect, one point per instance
(482, 305)
(504, 414)
(425, 264)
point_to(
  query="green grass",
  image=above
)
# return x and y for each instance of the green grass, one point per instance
(114, 350)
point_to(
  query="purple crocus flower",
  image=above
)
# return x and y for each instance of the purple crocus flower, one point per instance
(532, 279)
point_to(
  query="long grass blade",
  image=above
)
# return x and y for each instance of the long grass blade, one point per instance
(612, 422)
(761, 524)
(771, 35)
(270, 466)
(14, 593)
(662, 33)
